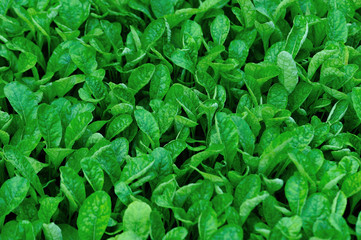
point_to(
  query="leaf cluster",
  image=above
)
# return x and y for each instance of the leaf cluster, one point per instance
(180, 119)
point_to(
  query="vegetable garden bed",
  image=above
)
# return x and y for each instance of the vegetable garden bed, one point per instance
(180, 119)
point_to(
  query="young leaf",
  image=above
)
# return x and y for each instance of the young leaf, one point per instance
(117, 125)
(160, 82)
(12, 193)
(141, 77)
(21, 163)
(297, 35)
(94, 216)
(220, 28)
(73, 187)
(147, 123)
(93, 173)
(296, 191)
(84, 57)
(336, 26)
(137, 219)
(153, 32)
(50, 125)
(207, 224)
(22, 99)
(76, 128)
(288, 77)
(225, 132)
(52, 231)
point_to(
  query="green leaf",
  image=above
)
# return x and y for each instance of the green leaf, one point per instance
(248, 205)
(287, 227)
(248, 188)
(23, 100)
(276, 151)
(289, 76)
(73, 13)
(297, 35)
(339, 110)
(118, 125)
(177, 233)
(317, 60)
(225, 132)
(246, 137)
(238, 50)
(94, 216)
(52, 231)
(356, 100)
(128, 235)
(161, 8)
(228, 232)
(137, 219)
(4, 6)
(358, 227)
(160, 82)
(296, 191)
(317, 207)
(84, 57)
(206, 81)
(12, 193)
(157, 229)
(207, 224)
(141, 77)
(220, 28)
(107, 156)
(26, 61)
(336, 26)
(153, 32)
(248, 12)
(48, 207)
(299, 95)
(57, 155)
(73, 187)
(21, 164)
(147, 123)
(93, 173)
(76, 128)
(50, 125)
(182, 59)
(350, 185)
(278, 96)
(306, 168)
(339, 203)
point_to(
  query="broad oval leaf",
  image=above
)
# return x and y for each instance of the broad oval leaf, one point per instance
(228, 232)
(50, 125)
(296, 191)
(207, 224)
(84, 57)
(22, 164)
(12, 193)
(147, 123)
(22, 99)
(76, 128)
(152, 33)
(141, 76)
(137, 219)
(220, 28)
(93, 173)
(73, 187)
(94, 216)
(160, 82)
(117, 125)
(289, 75)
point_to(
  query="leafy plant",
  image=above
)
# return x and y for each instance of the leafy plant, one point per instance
(180, 119)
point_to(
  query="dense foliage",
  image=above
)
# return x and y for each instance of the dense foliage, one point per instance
(180, 119)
